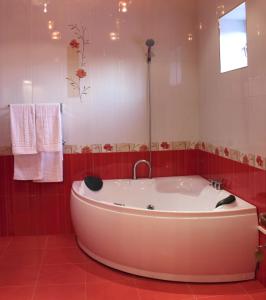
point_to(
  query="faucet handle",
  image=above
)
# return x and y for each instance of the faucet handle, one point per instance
(212, 182)
(216, 183)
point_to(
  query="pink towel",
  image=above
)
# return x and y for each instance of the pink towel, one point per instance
(28, 167)
(48, 127)
(23, 132)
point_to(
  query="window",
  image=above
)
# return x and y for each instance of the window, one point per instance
(233, 39)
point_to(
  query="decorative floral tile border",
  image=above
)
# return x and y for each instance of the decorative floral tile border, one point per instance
(130, 147)
(254, 160)
(251, 159)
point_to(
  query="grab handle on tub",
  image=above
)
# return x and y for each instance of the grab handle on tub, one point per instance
(227, 200)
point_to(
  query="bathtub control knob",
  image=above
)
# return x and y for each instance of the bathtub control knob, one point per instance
(150, 206)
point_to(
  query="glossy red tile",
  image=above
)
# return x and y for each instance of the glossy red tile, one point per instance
(60, 292)
(252, 286)
(19, 258)
(64, 256)
(24, 243)
(78, 166)
(227, 297)
(61, 241)
(157, 290)
(63, 274)
(98, 272)
(111, 290)
(16, 293)
(29, 208)
(4, 242)
(227, 289)
(18, 276)
(258, 295)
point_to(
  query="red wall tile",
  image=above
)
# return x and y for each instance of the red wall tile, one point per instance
(247, 182)
(32, 208)
(28, 208)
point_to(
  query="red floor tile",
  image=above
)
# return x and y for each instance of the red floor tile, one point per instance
(258, 295)
(61, 241)
(112, 291)
(63, 274)
(67, 255)
(223, 289)
(150, 289)
(228, 297)
(28, 243)
(18, 276)
(252, 286)
(61, 292)
(16, 293)
(98, 272)
(63, 271)
(21, 258)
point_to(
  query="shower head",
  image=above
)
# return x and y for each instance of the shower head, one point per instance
(149, 43)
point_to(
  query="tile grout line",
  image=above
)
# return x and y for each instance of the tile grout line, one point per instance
(248, 293)
(40, 267)
(191, 290)
(245, 293)
(137, 289)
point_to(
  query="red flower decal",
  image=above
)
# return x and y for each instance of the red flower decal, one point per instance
(143, 148)
(203, 146)
(165, 145)
(226, 152)
(259, 161)
(197, 146)
(86, 149)
(81, 73)
(108, 147)
(74, 44)
(245, 159)
(217, 151)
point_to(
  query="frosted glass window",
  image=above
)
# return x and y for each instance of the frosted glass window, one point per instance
(233, 39)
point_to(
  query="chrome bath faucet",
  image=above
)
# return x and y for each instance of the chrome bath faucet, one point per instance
(143, 161)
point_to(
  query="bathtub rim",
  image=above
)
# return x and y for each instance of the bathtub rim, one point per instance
(157, 213)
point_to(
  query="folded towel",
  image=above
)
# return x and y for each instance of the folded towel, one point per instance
(23, 133)
(28, 167)
(51, 167)
(48, 127)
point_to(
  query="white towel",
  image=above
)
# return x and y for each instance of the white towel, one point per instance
(49, 141)
(36, 132)
(28, 167)
(48, 127)
(23, 132)
(51, 167)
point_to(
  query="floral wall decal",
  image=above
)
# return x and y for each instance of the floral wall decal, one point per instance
(108, 147)
(79, 44)
(165, 145)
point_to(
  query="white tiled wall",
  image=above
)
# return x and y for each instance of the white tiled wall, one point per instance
(233, 104)
(34, 67)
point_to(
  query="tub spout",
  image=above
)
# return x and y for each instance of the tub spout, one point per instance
(143, 161)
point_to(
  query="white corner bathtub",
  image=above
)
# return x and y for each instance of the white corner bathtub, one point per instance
(183, 239)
